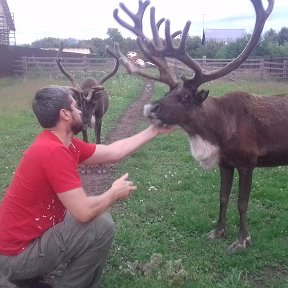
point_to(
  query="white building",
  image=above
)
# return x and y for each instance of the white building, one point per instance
(224, 35)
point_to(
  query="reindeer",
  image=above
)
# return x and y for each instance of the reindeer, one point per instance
(237, 131)
(91, 97)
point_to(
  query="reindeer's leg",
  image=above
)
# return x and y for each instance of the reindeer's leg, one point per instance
(100, 168)
(245, 182)
(97, 129)
(227, 174)
(85, 135)
(83, 169)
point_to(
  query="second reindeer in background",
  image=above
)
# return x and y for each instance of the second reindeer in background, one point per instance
(91, 97)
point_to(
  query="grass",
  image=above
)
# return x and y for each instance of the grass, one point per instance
(161, 239)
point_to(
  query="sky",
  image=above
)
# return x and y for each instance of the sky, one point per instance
(86, 19)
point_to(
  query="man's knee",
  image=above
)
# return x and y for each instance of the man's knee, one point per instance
(104, 226)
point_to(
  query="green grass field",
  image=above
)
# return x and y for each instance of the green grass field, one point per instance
(161, 230)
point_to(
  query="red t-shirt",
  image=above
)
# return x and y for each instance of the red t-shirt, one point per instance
(30, 205)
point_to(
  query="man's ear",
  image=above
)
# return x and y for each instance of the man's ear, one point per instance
(63, 114)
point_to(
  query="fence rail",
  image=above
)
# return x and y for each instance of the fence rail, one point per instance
(250, 69)
(48, 65)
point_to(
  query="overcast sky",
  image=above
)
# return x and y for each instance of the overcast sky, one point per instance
(86, 19)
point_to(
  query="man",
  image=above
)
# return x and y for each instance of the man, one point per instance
(46, 219)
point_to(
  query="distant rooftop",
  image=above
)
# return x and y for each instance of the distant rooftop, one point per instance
(224, 35)
(73, 50)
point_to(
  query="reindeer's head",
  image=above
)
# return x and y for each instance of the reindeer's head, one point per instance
(176, 107)
(87, 98)
(184, 95)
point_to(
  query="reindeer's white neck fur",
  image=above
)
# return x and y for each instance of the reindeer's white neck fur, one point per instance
(204, 152)
(93, 121)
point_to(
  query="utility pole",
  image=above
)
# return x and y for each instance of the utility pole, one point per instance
(203, 29)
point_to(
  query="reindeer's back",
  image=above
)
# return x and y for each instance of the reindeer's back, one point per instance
(265, 110)
(261, 125)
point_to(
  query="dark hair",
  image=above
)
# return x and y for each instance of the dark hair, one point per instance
(48, 102)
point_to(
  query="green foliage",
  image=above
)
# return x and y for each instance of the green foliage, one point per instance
(277, 50)
(114, 36)
(283, 36)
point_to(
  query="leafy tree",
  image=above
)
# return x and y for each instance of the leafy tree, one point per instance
(130, 45)
(210, 49)
(48, 42)
(114, 36)
(283, 36)
(270, 36)
(276, 50)
(194, 46)
(98, 47)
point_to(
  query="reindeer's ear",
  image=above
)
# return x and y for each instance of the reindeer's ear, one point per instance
(201, 96)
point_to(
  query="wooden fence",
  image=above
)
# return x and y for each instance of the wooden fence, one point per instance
(250, 69)
(48, 65)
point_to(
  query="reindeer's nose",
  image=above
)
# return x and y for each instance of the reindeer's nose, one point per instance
(151, 109)
(155, 108)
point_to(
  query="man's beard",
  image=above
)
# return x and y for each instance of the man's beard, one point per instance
(76, 126)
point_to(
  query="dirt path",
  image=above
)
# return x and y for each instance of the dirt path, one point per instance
(96, 183)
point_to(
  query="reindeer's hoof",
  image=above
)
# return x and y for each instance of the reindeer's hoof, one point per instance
(240, 245)
(217, 234)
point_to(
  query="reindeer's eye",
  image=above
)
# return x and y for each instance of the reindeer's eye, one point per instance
(184, 98)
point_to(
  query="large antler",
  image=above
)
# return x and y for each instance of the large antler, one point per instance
(145, 44)
(64, 71)
(115, 69)
(157, 50)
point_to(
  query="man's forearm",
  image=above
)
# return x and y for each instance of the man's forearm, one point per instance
(119, 149)
(127, 146)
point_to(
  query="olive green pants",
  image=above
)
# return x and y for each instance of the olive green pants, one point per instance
(70, 254)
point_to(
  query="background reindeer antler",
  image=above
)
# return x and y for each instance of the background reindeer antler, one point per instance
(63, 70)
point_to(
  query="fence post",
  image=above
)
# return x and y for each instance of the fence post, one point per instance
(285, 69)
(204, 62)
(24, 65)
(262, 70)
(85, 69)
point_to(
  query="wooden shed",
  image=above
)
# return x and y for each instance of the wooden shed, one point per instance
(7, 26)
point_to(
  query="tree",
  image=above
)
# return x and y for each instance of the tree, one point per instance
(283, 36)
(270, 36)
(114, 36)
(98, 47)
(193, 46)
(276, 50)
(48, 42)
